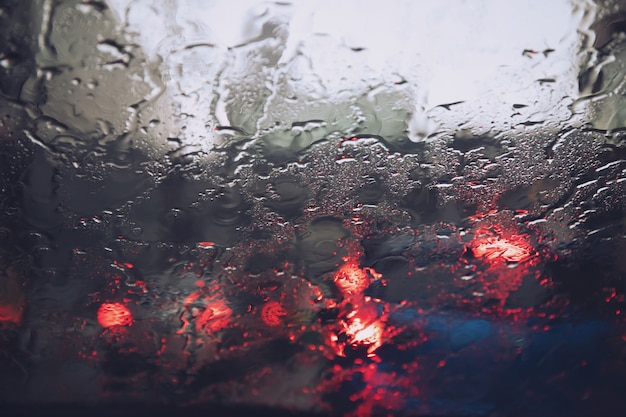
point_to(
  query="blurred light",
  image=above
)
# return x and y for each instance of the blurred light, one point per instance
(273, 313)
(10, 314)
(351, 279)
(113, 315)
(215, 316)
(494, 247)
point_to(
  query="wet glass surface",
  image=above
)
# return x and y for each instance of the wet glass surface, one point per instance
(314, 208)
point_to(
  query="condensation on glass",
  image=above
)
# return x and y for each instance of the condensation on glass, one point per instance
(327, 208)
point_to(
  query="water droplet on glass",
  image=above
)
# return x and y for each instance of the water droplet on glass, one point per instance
(314, 207)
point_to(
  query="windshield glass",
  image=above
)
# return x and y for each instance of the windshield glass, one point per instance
(313, 208)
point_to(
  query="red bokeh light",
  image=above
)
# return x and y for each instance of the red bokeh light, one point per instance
(114, 314)
(493, 246)
(215, 316)
(12, 298)
(210, 312)
(10, 314)
(273, 313)
(508, 262)
(350, 279)
(361, 326)
(364, 327)
(360, 321)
